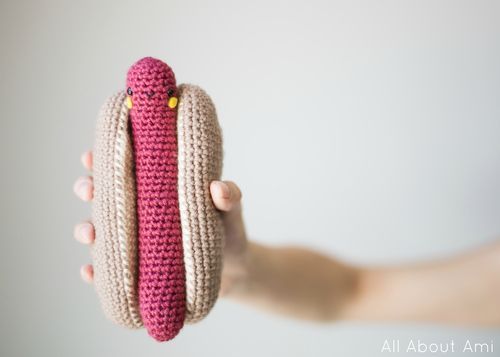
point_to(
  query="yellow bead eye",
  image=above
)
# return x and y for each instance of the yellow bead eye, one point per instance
(172, 102)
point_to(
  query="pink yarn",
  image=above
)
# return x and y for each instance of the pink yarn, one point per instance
(162, 283)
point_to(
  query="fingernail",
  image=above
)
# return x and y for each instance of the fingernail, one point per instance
(224, 190)
(85, 274)
(83, 233)
(83, 189)
(77, 184)
(83, 158)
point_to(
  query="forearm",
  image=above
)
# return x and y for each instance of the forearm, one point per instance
(463, 290)
(305, 284)
(291, 281)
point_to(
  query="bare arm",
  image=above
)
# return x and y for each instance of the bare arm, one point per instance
(305, 284)
(301, 283)
(462, 290)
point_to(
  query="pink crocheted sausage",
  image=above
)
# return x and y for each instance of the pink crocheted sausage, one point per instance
(152, 97)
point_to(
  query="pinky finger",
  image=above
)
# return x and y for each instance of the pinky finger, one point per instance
(87, 273)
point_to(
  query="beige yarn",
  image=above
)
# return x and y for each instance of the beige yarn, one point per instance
(200, 162)
(114, 252)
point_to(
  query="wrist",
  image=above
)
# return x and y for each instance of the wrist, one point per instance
(236, 271)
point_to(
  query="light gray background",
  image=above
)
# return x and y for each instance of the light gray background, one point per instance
(367, 129)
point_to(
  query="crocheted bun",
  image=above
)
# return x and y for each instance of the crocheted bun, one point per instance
(200, 162)
(162, 286)
(114, 252)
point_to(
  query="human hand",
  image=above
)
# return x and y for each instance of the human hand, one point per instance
(306, 284)
(227, 199)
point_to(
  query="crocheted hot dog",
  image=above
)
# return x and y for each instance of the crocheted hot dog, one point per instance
(152, 96)
(158, 249)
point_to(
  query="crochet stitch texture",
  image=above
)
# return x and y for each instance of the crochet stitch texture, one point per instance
(200, 162)
(162, 295)
(158, 250)
(114, 252)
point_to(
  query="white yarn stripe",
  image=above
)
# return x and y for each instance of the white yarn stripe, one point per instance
(183, 209)
(128, 244)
